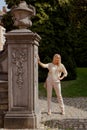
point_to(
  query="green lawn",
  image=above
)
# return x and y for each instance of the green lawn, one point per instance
(72, 88)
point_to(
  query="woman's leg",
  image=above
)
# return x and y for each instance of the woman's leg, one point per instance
(49, 95)
(57, 88)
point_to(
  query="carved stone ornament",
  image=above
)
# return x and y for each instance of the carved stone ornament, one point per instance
(22, 14)
(19, 56)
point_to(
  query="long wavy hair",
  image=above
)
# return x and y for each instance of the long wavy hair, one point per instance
(57, 55)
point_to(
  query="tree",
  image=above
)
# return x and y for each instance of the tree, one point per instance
(54, 31)
(78, 17)
(54, 22)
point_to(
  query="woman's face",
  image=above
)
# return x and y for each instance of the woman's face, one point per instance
(56, 59)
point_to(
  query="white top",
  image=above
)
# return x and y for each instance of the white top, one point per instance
(55, 71)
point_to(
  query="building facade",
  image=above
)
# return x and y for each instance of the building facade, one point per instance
(2, 37)
(2, 29)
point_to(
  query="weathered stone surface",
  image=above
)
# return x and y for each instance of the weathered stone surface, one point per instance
(22, 14)
(22, 80)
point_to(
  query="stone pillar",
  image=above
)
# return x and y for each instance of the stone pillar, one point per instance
(23, 110)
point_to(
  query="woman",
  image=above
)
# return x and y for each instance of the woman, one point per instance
(57, 72)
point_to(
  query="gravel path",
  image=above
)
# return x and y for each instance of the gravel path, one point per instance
(74, 119)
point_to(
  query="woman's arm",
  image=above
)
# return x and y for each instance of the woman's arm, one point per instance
(42, 64)
(65, 73)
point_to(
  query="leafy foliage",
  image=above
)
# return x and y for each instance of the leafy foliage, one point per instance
(8, 22)
(63, 28)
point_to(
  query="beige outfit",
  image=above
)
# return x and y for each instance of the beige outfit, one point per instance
(53, 81)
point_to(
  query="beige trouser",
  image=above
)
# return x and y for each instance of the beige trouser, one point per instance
(57, 87)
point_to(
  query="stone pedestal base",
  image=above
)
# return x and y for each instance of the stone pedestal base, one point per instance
(23, 111)
(21, 120)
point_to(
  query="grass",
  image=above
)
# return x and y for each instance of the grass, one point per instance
(72, 88)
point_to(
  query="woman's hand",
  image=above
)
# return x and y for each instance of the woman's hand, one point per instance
(42, 64)
(38, 58)
(62, 77)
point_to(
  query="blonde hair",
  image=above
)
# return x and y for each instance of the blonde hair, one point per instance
(57, 55)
